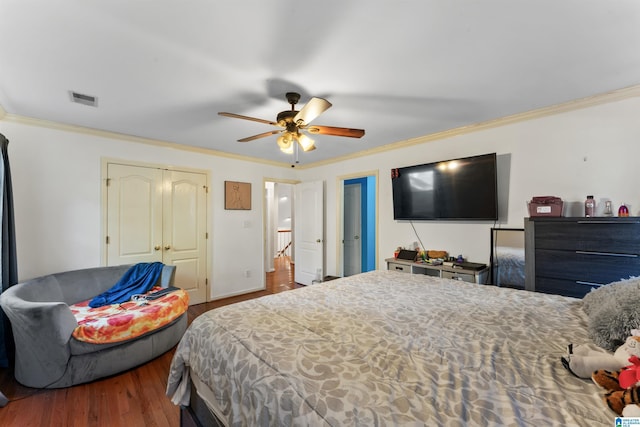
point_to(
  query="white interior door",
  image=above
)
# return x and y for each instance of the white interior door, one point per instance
(159, 215)
(309, 231)
(184, 234)
(352, 233)
(134, 214)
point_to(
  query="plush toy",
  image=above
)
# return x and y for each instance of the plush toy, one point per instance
(622, 388)
(618, 373)
(582, 360)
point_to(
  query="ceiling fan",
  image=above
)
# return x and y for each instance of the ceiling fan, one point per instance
(293, 123)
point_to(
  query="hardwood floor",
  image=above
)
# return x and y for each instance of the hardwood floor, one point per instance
(133, 398)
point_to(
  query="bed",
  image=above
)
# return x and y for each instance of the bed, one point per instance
(388, 348)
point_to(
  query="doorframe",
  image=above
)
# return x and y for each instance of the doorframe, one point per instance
(105, 161)
(340, 215)
(264, 220)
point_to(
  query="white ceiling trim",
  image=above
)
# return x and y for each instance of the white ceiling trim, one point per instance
(613, 96)
(30, 121)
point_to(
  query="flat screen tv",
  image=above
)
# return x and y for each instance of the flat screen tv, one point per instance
(456, 189)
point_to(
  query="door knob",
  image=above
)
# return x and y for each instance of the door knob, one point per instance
(157, 247)
(318, 241)
(356, 237)
(166, 248)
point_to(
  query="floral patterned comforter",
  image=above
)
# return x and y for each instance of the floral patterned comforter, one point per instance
(121, 322)
(388, 348)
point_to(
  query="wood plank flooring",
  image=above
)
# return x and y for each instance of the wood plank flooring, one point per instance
(133, 398)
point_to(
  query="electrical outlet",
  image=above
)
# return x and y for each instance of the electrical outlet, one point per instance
(247, 273)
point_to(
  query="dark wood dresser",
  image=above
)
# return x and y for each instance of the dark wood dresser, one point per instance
(569, 256)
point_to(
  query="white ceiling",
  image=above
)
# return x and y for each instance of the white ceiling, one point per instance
(398, 69)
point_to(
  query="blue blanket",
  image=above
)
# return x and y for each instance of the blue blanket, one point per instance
(139, 279)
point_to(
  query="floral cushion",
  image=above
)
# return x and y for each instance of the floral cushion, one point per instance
(121, 322)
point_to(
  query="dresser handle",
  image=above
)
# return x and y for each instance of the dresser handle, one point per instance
(607, 254)
(580, 282)
(607, 222)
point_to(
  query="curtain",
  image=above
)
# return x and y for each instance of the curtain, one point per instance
(8, 256)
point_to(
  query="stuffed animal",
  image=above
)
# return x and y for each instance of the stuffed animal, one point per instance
(622, 388)
(618, 373)
(583, 360)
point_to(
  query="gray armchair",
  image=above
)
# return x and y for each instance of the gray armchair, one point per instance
(48, 356)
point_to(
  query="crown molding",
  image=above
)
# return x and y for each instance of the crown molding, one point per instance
(590, 101)
(130, 138)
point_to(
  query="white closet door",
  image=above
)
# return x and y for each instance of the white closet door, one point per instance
(184, 235)
(134, 214)
(159, 215)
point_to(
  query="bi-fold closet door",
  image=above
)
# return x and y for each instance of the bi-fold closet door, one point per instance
(156, 214)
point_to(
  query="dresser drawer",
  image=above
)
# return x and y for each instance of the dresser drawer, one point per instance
(588, 267)
(589, 235)
(569, 288)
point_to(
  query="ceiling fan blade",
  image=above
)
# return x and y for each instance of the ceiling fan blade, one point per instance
(253, 119)
(311, 110)
(260, 135)
(335, 131)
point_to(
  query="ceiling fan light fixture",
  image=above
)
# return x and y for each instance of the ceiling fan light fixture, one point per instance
(288, 150)
(305, 142)
(285, 142)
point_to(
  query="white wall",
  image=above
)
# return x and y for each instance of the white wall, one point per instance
(57, 196)
(594, 150)
(56, 182)
(284, 195)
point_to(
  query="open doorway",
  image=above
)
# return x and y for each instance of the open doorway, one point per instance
(278, 226)
(357, 200)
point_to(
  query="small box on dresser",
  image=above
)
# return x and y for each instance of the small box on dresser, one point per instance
(570, 256)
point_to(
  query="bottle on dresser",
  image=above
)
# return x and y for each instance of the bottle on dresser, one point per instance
(589, 207)
(623, 210)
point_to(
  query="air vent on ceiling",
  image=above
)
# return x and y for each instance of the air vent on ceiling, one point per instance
(80, 98)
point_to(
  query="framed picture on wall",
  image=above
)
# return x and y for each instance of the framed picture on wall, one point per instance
(237, 195)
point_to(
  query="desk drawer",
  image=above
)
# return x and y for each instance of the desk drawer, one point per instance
(405, 268)
(458, 276)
